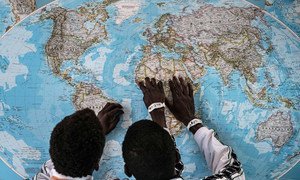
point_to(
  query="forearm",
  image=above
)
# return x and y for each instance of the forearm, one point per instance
(219, 157)
(214, 151)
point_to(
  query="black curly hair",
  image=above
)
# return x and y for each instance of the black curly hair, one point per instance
(77, 143)
(149, 151)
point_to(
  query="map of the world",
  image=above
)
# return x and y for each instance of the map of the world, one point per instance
(244, 63)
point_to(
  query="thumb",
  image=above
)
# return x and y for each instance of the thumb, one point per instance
(168, 104)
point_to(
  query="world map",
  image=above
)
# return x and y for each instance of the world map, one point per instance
(243, 62)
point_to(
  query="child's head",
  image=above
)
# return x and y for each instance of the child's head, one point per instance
(77, 143)
(149, 151)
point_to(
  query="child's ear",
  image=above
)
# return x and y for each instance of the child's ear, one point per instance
(127, 171)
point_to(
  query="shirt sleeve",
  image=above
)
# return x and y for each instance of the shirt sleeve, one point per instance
(44, 173)
(220, 158)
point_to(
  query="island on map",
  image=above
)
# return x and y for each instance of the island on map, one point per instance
(278, 128)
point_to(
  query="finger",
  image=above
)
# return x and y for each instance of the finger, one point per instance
(177, 86)
(115, 116)
(118, 116)
(142, 86)
(148, 82)
(160, 85)
(114, 120)
(176, 82)
(113, 106)
(172, 88)
(115, 112)
(191, 91)
(153, 82)
(103, 110)
(183, 86)
(106, 105)
(112, 126)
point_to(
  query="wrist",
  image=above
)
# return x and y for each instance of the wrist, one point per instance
(195, 128)
(188, 120)
(158, 116)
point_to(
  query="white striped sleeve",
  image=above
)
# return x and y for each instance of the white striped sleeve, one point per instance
(220, 158)
(44, 173)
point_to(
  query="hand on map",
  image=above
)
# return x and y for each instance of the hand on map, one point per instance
(183, 107)
(109, 116)
(154, 92)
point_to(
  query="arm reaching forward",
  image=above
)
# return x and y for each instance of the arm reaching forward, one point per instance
(220, 158)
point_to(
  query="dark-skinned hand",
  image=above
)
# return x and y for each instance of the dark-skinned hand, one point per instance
(109, 116)
(183, 107)
(154, 92)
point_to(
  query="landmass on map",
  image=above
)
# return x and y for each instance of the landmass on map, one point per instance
(287, 11)
(155, 66)
(21, 9)
(73, 33)
(126, 9)
(278, 128)
(217, 37)
(89, 96)
(269, 2)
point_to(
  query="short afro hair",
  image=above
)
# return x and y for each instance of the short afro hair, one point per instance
(77, 143)
(149, 151)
